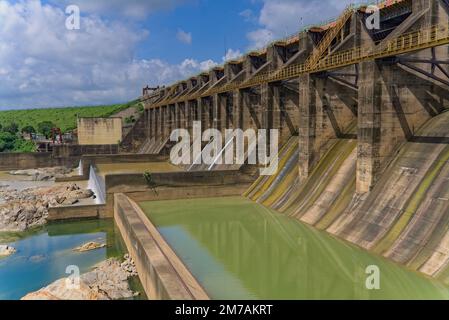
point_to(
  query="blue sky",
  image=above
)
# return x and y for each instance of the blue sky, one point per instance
(210, 34)
(124, 45)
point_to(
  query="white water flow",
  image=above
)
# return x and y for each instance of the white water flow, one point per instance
(80, 168)
(97, 185)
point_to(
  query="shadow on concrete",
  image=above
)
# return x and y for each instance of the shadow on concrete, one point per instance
(404, 123)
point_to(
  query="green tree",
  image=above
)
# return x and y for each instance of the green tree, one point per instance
(21, 145)
(7, 141)
(28, 129)
(130, 119)
(12, 128)
(45, 128)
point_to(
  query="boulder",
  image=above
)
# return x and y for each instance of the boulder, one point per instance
(107, 281)
(6, 250)
(90, 246)
(21, 210)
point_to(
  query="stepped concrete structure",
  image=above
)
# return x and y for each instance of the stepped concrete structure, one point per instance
(362, 116)
(341, 80)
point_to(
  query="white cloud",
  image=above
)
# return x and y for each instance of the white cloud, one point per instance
(281, 18)
(184, 37)
(207, 65)
(130, 8)
(248, 15)
(44, 64)
(232, 54)
(260, 38)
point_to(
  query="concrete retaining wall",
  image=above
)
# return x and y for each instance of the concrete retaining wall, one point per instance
(20, 161)
(89, 160)
(178, 179)
(137, 135)
(176, 185)
(64, 155)
(77, 212)
(161, 272)
(80, 150)
(167, 186)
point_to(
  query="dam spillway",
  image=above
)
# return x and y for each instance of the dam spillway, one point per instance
(361, 116)
(403, 218)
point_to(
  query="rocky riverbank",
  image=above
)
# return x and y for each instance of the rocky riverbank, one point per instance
(21, 210)
(44, 174)
(107, 281)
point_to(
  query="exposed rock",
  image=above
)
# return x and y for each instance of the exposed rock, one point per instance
(107, 281)
(6, 250)
(129, 266)
(21, 210)
(90, 246)
(44, 174)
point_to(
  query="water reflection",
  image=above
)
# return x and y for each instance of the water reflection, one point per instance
(44, 254)
(240, 250)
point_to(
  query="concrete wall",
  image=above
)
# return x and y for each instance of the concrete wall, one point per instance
(99, 131)
(137, 135)
(161, 272)
(77, 212)
(64, 155)
(18, 161)
(88, 160)
(79, 150)
(165, 186)
(176, 185)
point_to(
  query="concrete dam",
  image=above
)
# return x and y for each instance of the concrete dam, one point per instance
(363, 123)
(359, 108)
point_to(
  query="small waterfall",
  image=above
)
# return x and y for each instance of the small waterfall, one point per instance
(97, 185)
(80, 168)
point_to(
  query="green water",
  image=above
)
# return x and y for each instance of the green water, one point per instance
(238, 249)
(43, 254)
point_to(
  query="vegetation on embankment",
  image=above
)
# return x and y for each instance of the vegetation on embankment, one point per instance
(10, 142)
(63, 118)
(15, 123)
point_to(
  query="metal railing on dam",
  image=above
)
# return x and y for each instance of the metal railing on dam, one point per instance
(410, 42)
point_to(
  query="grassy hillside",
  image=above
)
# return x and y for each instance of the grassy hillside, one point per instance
(64, 118)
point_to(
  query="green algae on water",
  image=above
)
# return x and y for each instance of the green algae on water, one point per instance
(238, 249)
